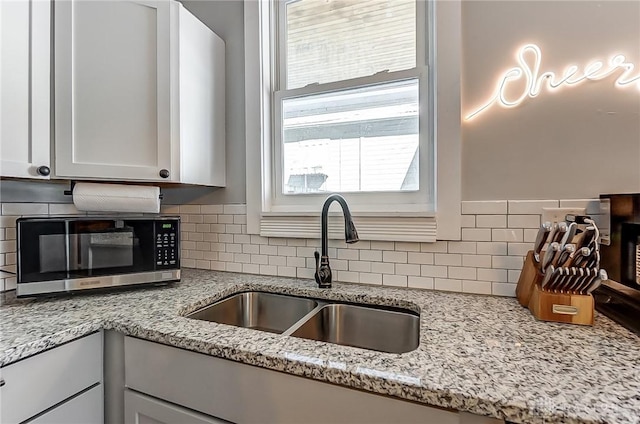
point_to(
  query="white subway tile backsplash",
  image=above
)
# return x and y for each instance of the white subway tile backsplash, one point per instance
(492, 207)
(395, 257)
(190, 209)
(211, 209)
(433, 271)
(462, 247)
(524, 221)
(437, 247)
(448, 284)
(490, 274)
(408, 269)
(234, 267)
(503, 289)
(477, 287)
(371, 255)
(507, 234)
(492, 248)
(235, 209)
(420, 282)
(268, 270)
(495, 237)
(250, 268)
(370, 278)
(476, 234)
(24, 209)
(531, 206)
(65, 209)
(287, 271)
(468, 221)
(462, 273)
(519, 249)
(452, 259)
(348, 254)
(491, 221)
(251, 248)
(382, 268)
(383, 245)
(360, 266)
(296, 261)
(514, 275)
(407, 246)
(394, 280)
(507, 262)
(530, 235)
(477, 261)
(419, 258)
(348, 276)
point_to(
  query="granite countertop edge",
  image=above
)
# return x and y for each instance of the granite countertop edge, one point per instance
(448, 318)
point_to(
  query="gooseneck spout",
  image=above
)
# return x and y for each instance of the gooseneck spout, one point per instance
(323, 271)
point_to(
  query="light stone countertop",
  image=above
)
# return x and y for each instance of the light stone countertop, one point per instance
(481, 354)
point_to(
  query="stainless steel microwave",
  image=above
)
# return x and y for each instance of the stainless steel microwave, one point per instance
(67, 254)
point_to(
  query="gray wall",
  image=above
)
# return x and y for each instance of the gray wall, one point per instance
(578, 142)
(575, 143)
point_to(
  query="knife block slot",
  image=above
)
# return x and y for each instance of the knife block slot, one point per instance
(551, 306)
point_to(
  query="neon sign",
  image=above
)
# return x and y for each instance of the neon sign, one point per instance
(571, 76)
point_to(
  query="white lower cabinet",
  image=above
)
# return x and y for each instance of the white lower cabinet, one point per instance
(61, 385)
(85, 408)
(246, 394)
(141, 409)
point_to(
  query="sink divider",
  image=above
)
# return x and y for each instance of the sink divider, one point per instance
(307, 317)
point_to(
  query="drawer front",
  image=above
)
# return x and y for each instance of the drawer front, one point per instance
(86, 408)
(41, 381)
(141, 409)
(245, 394)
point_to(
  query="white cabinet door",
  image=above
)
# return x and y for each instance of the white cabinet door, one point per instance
(112, 90)
(24, 88)
(141, 409)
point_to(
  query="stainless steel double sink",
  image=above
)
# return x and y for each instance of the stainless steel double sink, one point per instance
(380, 328)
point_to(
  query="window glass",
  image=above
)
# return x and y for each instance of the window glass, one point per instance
(333, 40)
(361, 139)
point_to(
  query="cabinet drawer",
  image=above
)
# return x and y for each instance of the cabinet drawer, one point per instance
(41, 381)
(245, 394)
(141, 409)
(86, 408)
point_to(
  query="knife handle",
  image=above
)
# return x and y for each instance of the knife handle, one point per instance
(541, 238)
(550, 253)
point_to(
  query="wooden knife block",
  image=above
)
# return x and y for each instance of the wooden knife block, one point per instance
(550, 306)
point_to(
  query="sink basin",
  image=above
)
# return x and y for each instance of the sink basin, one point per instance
(368, 328)
(376, 328)
(262, 311)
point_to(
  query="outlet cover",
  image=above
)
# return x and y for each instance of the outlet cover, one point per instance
(557, 214)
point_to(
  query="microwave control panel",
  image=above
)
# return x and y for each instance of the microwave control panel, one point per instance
(167, 246)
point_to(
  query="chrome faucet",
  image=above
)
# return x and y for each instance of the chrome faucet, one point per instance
(323, 271)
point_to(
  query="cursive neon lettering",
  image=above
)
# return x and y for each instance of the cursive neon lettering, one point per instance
(529, 58)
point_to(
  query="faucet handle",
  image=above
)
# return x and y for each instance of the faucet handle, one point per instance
(317, 274)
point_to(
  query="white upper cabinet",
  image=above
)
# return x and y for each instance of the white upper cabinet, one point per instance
(25, 88)
(139, 93)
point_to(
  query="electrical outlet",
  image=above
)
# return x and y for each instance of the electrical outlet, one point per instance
(557, 214)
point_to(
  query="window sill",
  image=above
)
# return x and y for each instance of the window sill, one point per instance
(400, 226)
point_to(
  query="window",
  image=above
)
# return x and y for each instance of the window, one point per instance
(345, 105)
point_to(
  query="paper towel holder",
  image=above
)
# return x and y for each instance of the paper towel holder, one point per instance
(72, 184)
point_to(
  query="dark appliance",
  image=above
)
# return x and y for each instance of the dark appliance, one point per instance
(619, 297)
(67, 254)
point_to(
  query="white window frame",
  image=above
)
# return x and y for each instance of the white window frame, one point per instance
(394, 218)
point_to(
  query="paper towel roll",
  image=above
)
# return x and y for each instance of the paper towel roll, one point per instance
(116, 198)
